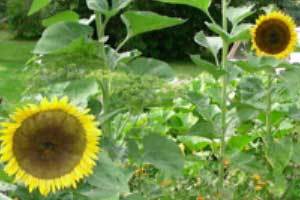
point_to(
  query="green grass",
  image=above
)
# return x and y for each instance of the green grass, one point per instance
(185, 69)
(15, 53)
(13, 56)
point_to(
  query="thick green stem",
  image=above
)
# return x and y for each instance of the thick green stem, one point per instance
(269, 107)
(100, 25)
(224, 102)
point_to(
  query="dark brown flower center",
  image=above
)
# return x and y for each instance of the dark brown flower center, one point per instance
(272, 36)
(49, 144)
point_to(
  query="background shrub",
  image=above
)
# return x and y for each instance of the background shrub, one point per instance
(177, 41)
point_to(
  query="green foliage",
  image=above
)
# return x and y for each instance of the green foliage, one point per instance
(61, 36)
(229, 133)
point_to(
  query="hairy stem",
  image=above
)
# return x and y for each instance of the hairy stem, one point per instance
(224, 102)
(269, 107)
(105, 83)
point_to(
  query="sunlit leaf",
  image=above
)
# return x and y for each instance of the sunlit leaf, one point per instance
(65, 16)
(213, 44)
(60, 36)
(109, 180)
(38, 5)
(138, 22)
(163, 153)
(238, 14)
(200, 4)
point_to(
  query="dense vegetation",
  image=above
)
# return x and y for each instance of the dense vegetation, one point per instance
(229, 132)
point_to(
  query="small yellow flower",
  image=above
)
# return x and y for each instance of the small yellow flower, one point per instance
(258, 188)
(256, 177)
(274, 35)
(49, 146)
(226, 163)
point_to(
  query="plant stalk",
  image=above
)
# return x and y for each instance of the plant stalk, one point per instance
(224, 102)
(269, 107)
(100, 26)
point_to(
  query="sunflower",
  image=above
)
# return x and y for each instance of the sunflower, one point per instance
(49, 146)
(274, 35)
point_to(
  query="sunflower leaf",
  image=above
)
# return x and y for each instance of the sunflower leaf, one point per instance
(213, 44)
(138, 22)
(207, 66)
(163, 153)
(238, 14)
(200, 4)
(109, 180)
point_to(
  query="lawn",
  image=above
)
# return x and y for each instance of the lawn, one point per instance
(15, 53)
(13, 56)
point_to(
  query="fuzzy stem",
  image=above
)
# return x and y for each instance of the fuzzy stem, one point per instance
(100, 26)
(224, 102)
(269, 107)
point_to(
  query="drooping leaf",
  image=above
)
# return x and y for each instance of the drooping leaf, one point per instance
(238, 142)
(213, 44)
(279, 154)
(240, 33)
(247, 163)
(65, 16)
(200, 4)
(290, 79)
(105, 8)
(163, 153)
(238, 14)
(278, 186)
(133, 197)
(207, 66)
(150, 67)
(195, 143)
(108, 179)
(80, 90)
(60, 36)
(218, 30)
(251, 92)
(38, 5)
(204, 129)
(138, 22)
(296, 155)
(115, 58)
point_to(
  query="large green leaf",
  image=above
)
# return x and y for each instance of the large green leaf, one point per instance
(296, 155)
(105, 8)
(279, 154)
(150, 67)
(247, 163)
(163, 153)
(65, 16)
(236, 15)
(240, 33)
(38, 5)
(114, 58)
(138, 22)
(200, 4)
(218, 30)
(60, 36)
(251, 92)
(109, 180)
(195, 143)
(207, 66)
(278, 186)
(213, 44)
(80, 90)
(204, 129)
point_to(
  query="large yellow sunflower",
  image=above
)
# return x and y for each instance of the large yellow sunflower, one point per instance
(274, 35)
(49, 146)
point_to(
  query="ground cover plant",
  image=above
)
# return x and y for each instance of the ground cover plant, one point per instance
(90, 121)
